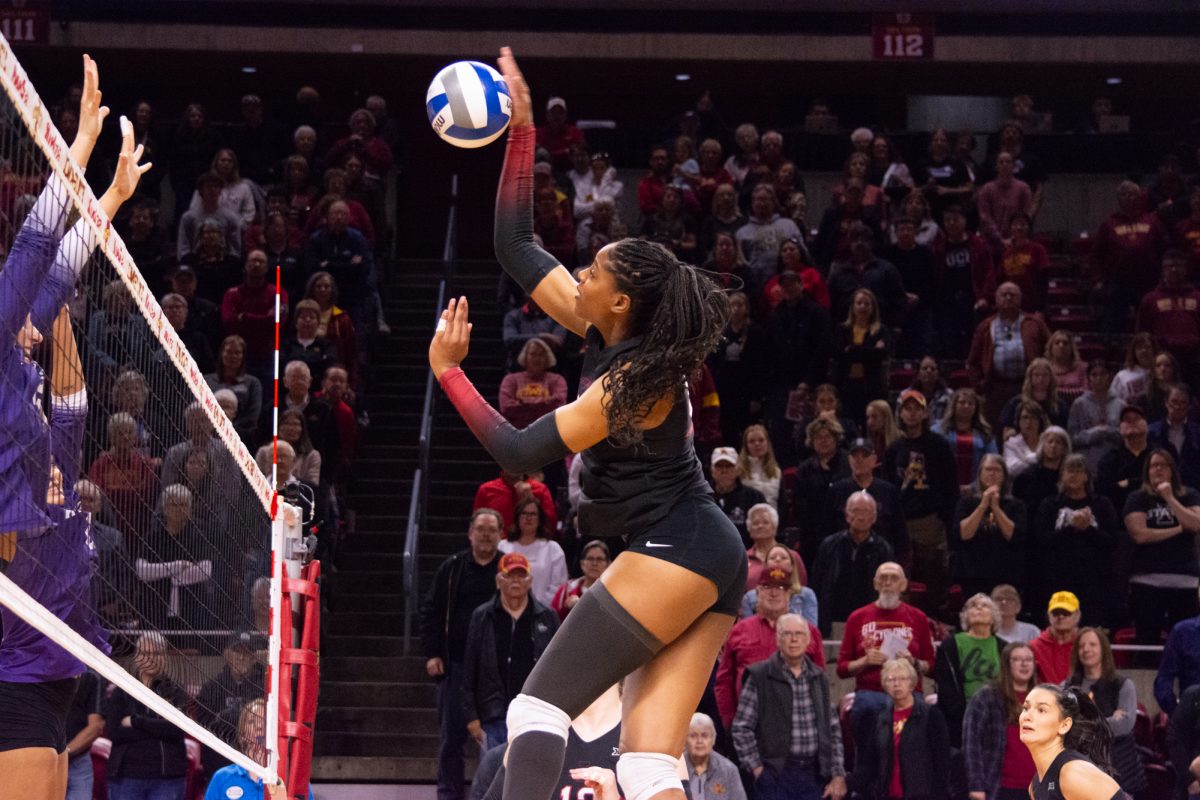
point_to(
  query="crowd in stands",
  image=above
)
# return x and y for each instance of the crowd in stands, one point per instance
(936, 452)
(288, 192)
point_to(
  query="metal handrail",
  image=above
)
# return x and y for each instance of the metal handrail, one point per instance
(418, 499)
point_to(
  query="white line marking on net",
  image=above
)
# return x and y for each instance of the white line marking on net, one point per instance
(37, 615)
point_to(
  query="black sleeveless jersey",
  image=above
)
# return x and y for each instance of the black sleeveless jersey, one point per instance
(627, 490)
(600, 752)
(1048, 787)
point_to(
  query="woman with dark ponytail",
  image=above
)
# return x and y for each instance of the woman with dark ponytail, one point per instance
(663, 608)
(1070, 743)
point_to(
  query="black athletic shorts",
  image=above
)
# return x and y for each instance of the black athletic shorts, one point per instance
(698, 536)
(35, 714)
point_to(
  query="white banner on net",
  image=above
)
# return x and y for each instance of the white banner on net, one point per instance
(28, 105)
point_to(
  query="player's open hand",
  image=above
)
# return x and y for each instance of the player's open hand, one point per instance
(451, 339)
(522, 109)
(128, 171)
(91, 112)
(603, 782)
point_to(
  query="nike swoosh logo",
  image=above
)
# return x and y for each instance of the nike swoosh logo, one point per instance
(652, 544)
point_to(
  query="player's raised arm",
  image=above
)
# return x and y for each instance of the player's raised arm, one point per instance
(545, 280)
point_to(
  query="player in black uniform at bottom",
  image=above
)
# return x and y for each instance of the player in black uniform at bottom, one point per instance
(1070, 743)
(593, 747)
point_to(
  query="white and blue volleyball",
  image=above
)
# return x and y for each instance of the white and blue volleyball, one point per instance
(468, 104)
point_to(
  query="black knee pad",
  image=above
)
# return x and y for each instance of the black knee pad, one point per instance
(599, 644)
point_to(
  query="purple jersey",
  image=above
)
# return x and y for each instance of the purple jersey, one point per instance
(57, 568)
(24, 434)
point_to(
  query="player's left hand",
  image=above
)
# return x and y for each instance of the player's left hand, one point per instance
(600, 780)
(128, 172)
(451, 339)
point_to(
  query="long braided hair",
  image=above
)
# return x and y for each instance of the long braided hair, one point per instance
(679, 313)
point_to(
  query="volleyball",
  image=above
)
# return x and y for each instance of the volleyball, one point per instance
(468, 104)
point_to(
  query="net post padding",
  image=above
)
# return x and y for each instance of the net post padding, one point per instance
(28, 105)
(297, 726)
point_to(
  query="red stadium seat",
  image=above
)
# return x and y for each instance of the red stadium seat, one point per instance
(901, 376)
(1063, 290)
(101, 748)
(959, 379)
(1124, 658)
(194, 788)
(1143, 728)
(1071, 318)
(1162, 724)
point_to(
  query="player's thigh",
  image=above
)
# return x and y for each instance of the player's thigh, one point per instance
(660, 697)
(664, 597)
(33, 773)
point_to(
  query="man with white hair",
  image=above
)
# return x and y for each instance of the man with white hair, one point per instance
(844, 571)
(755, 639)
(711, 776)
(785, 731)
(875, 633)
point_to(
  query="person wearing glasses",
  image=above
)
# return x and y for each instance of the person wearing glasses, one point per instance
(530, 536)
(1004, 344)
(999, 767)
(593, 561)
(785, 731)
(508, 635)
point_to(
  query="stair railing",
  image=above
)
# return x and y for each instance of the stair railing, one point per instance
(417, 501)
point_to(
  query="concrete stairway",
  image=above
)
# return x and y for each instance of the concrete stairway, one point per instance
(377, 719)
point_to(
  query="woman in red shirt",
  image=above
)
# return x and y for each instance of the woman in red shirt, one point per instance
(999, 766)
(908, 757)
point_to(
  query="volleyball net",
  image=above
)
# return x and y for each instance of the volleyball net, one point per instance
(136, 528)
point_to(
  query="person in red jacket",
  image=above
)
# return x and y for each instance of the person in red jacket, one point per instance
(875, 633)
(1023, 262)
(363, 142)
(1171, 312)
(753, 640)
(248, 310)
(558, 135)
(1126, 255)
(1052, 648)
(650, 187)
(502, 494)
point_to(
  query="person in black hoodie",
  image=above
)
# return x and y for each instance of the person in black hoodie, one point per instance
(462, 582)
(799, 333)
(923, 466)
(917, 732)
(148, 758)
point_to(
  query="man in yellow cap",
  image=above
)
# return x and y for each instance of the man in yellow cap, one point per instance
(1052, 647)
